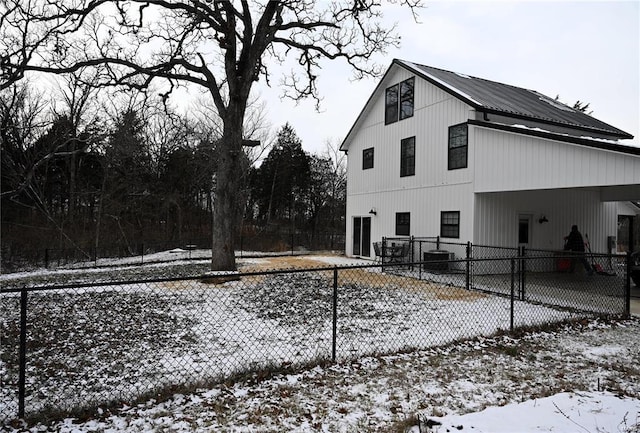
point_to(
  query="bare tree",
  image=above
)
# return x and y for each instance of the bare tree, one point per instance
(221, 46)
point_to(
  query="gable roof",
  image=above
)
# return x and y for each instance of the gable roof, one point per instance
(510, 101)
(493, 97)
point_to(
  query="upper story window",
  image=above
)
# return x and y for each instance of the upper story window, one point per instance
(399, 101)
(367, 158)
(408, 157)
(450, 224)
(406, 98)
(458, 145)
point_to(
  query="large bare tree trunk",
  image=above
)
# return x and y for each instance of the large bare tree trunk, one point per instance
(227, 190)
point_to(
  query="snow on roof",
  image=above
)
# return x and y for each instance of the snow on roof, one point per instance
(444, 83)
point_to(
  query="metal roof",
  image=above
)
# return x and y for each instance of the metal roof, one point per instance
(493, 97)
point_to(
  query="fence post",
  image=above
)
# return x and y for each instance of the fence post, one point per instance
(384, 249)
(627, 288)
(22, 352)
(420, 259)
(142, 253)
(334, 333)
(513, 290)
(523, 266)
(468, 267)
(411, 259)
(46, 258)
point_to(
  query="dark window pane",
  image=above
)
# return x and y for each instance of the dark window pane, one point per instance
(357, 231)
(450, 224)
(457, 158)
(458, 146)
(367, 158)
(366, 237)
(403, 223)
(408, 157)
(406, 98)
(391, 105)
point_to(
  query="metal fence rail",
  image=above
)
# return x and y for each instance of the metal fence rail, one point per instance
(70, 349)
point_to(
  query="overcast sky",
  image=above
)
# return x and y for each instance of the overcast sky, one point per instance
(581, 50)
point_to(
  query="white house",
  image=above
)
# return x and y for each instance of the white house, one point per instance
(437, 153)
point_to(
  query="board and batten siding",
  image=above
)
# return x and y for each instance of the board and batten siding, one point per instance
(506, 161)
(424, 205)
(434, 111)
(433, 188)
(496, 217)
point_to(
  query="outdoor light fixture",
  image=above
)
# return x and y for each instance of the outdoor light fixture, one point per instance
(373, 211)
(543, 219)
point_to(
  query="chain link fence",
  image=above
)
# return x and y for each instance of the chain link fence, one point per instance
(70, 349)
(16, 259)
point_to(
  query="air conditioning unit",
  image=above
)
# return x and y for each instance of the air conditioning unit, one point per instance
(437, 260)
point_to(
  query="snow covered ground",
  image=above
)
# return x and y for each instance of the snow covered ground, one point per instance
(580, 378)
(171, 333)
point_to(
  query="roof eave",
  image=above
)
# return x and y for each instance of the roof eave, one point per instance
(560, 137)
(617, 133)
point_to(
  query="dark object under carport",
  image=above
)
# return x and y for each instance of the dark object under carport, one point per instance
(634, 272)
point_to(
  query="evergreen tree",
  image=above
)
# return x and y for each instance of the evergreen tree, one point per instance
(282, 181)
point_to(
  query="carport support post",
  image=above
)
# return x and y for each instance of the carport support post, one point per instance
(335, 315)
(22, 361)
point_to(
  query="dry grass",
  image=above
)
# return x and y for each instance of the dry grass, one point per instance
(283, 262)
(366, 277)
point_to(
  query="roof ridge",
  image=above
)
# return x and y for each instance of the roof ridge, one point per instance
(472, 76)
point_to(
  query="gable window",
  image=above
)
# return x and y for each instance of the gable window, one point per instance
(408, 157)
(406, 98)
(398, 101)
(403, 223)
(367, 158)
(458, 139)
(450, 224)
(391, 105)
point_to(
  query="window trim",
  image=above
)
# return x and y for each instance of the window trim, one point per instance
(465, 146)
(366, 159)
(456, 227)
(399, 217)
(407, 169)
